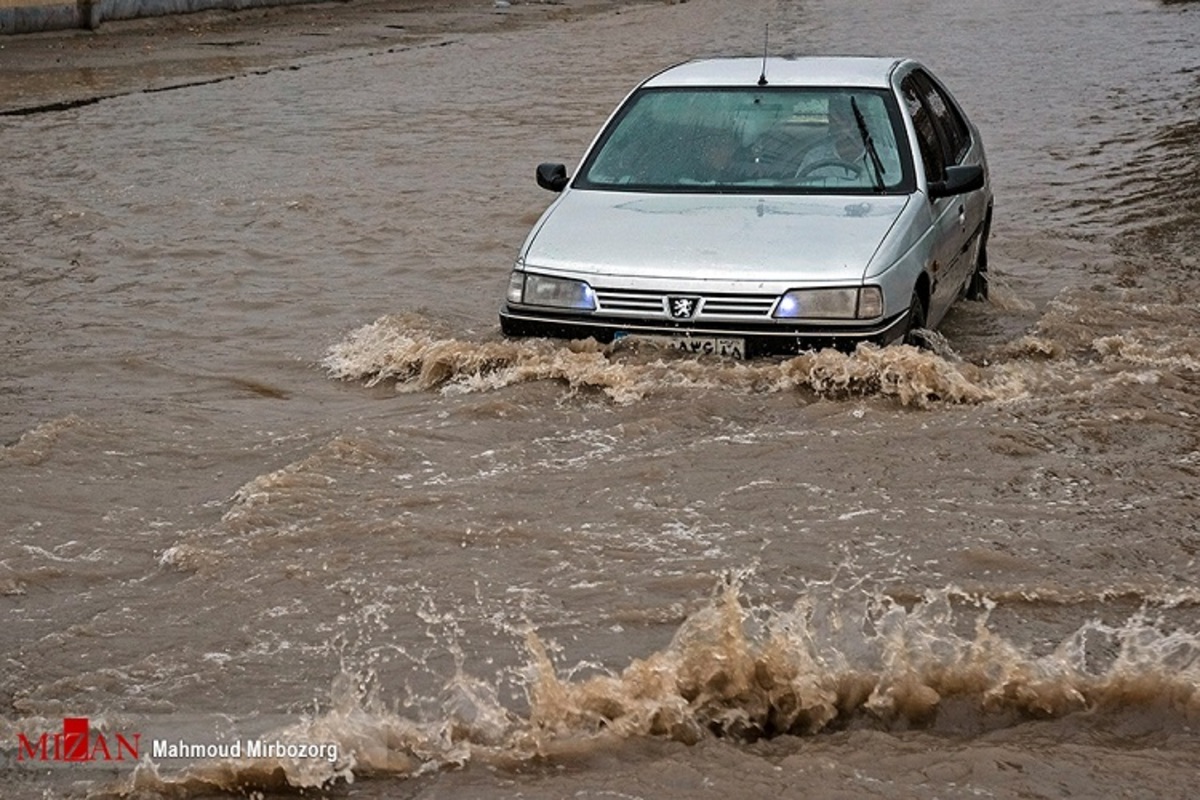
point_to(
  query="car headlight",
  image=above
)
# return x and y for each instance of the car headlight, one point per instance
(860, 303)
(541, 290)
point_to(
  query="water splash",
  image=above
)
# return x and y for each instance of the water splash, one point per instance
(35, 446)
(1086, 341)
(406, 350)
(836, 659)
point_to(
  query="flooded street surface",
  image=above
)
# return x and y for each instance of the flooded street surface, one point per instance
(269, 471)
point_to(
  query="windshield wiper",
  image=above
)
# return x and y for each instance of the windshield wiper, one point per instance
(869, 144)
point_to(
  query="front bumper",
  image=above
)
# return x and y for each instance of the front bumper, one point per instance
(761, 338)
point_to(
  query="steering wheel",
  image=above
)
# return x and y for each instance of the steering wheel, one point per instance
(854, 169)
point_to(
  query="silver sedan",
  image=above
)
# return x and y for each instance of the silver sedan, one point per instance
(739, 206)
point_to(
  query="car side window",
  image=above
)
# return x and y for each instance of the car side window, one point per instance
(928, 140)
(956, 137)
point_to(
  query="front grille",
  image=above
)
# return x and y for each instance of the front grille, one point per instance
(638, 302)
(741, 306)
(630, 301)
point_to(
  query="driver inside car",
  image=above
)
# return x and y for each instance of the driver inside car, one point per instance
(842, 152)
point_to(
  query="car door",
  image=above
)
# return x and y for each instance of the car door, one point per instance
(948, 215)
(959, 148)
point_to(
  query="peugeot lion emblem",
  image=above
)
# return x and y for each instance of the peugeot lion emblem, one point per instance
(682, 307)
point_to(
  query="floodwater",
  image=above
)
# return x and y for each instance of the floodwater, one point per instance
(269, 473)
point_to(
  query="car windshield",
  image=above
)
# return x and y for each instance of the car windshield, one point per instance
(796, 140)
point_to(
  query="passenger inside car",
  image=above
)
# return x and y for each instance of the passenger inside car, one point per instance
(721, 158)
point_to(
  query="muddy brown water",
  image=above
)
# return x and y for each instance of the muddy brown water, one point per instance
(271, 474)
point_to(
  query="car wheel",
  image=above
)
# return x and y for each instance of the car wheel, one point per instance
(977, 286)
(914, 329)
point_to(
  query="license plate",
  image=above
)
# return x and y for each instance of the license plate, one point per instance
(705, 345)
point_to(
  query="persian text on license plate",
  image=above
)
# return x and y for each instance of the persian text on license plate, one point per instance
(708, 345)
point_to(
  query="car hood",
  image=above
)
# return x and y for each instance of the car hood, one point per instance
(743, 236)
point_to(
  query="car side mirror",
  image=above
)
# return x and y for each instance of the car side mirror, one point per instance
(959, 180)
(552, 177)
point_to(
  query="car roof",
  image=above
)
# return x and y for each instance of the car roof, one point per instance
(856, 71)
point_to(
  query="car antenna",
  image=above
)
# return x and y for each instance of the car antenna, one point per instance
(762, 78)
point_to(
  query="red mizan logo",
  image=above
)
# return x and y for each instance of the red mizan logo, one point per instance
(76, 743)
